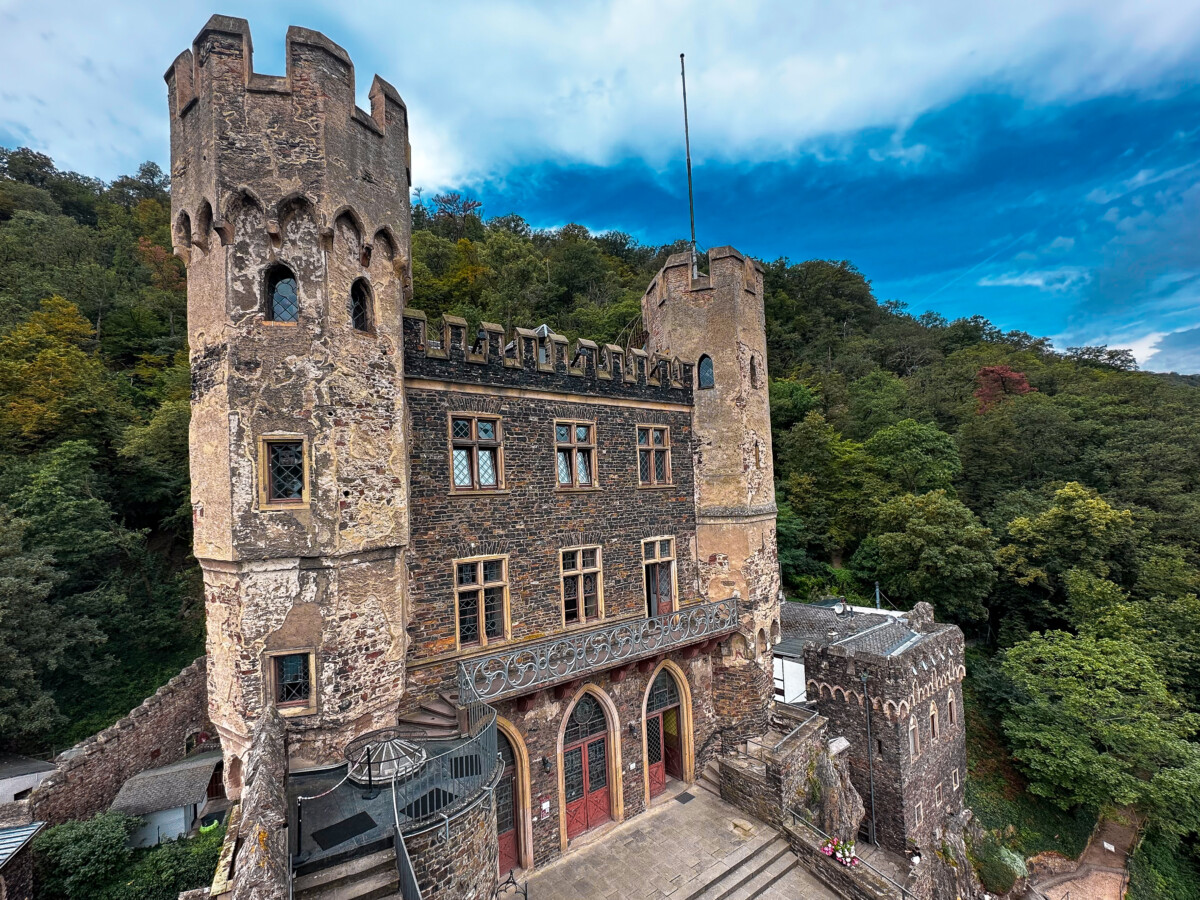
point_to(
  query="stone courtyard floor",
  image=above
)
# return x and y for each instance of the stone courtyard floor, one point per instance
(678, 850)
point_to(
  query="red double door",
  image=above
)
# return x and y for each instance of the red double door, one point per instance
(663, 755)
(585, 781)
(506, 819)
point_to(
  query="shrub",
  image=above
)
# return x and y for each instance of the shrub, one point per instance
(74, 858)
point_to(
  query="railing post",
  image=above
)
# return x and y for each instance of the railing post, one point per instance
(299, 820)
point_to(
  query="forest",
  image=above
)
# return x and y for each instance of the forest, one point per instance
(1046, 500)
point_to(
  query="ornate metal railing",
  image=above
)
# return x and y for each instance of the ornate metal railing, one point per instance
(533, 666)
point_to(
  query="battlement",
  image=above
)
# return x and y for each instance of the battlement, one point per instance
(231, 126)
(726, 268)
(530, 360)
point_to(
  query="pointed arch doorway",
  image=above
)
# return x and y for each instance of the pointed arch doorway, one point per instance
(667, 731)
(585, 767)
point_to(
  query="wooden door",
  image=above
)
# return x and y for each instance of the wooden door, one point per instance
(672, 743)
(655, 764)
(660, 591)
(585, 784)
(506, 820)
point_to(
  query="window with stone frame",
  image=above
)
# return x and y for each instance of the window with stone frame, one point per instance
(954, 777)
(914, 738)
(933, 721)
(475, 453)
(283, 470)
(362, 312)
(575, 454)
(282, 297)
(952, 713)
(654, 455)
(658, 561)
(704, 373)
(291, 681)
(937, 794)
(481, 600)
(920, 813)
(582, 585)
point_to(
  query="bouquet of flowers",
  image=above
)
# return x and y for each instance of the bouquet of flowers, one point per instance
(842, 851)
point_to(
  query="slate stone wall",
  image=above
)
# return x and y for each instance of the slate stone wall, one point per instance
(16, 879)
(462, 866)
(91, 773)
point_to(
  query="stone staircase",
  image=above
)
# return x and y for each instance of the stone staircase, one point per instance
(710, 778)
(766, 868)
(369, 877)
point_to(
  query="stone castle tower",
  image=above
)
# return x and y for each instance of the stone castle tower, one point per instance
(290, 209)
(719, 321)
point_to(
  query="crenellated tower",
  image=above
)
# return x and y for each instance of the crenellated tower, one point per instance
(290, 209)
(719, 321)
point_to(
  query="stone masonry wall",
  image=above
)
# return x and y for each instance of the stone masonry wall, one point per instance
(531, 519)
(91, 773)
(462, 866)
(16, 879)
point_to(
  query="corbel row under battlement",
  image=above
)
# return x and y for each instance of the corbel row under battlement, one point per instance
(491, 356)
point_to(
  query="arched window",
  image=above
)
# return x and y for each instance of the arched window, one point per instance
(753, 372)
(762, 642)
(587, 718)
(775, 632)
(933, 721)
(704, 372)
(362, 314)
(283, 301)
(664, 693)
(952, 718)
(914, 738)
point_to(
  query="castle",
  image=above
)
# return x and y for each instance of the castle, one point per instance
(472, 595)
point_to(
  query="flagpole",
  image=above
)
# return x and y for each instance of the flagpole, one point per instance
(687, 143)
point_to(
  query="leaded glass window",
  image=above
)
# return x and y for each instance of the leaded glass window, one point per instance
(285, 471)
(293, 684)
(704, 372)
(283, 300)
(587, 718)
(475, 453)
(481, 587)
(581, 585)
(658, 555)
(654, 455)
(575, 452)
(663, 693)
(361, 311)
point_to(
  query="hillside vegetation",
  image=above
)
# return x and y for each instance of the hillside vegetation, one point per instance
(1045, 500)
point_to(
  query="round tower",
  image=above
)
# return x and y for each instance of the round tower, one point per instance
(290, 209)
(718, 321)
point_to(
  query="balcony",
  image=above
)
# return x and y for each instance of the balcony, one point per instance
(531, 667)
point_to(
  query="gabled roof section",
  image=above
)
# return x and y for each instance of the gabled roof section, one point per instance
(167, 787)
(13, 839)
(13, 766)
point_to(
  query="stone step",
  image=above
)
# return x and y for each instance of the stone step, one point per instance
(748, 876)
(739, 868)
(372, 886)
(379, 869)
(767, 879)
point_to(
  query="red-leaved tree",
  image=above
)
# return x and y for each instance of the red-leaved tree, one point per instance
(998, 382)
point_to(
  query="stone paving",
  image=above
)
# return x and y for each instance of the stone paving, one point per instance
(673, 850)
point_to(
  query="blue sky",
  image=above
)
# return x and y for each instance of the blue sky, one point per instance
(1034, 162)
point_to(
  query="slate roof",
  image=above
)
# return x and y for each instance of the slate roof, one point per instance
(13, 839)
(167, 787)
(802, 624)
(12, 766)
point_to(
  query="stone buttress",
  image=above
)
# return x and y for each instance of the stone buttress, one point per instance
(277, 176)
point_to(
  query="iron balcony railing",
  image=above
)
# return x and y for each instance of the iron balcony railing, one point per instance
(531, 667)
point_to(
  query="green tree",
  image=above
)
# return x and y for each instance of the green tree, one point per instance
(914, 457)
(1094, 723)
(931, 547)
(78, 860)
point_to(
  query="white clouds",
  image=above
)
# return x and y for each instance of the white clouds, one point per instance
(492, 85)
(1064, 278)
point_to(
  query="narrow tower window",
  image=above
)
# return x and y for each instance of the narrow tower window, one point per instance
(362, 316)
(753, 372)
(283, 302)
(705, 372)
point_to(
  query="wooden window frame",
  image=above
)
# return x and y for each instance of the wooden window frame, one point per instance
(480, 585)
(673, 559)
(265, 500)
(572, 447)
(652, 449)
(271, 683)
(578, 572)
(473, 444)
